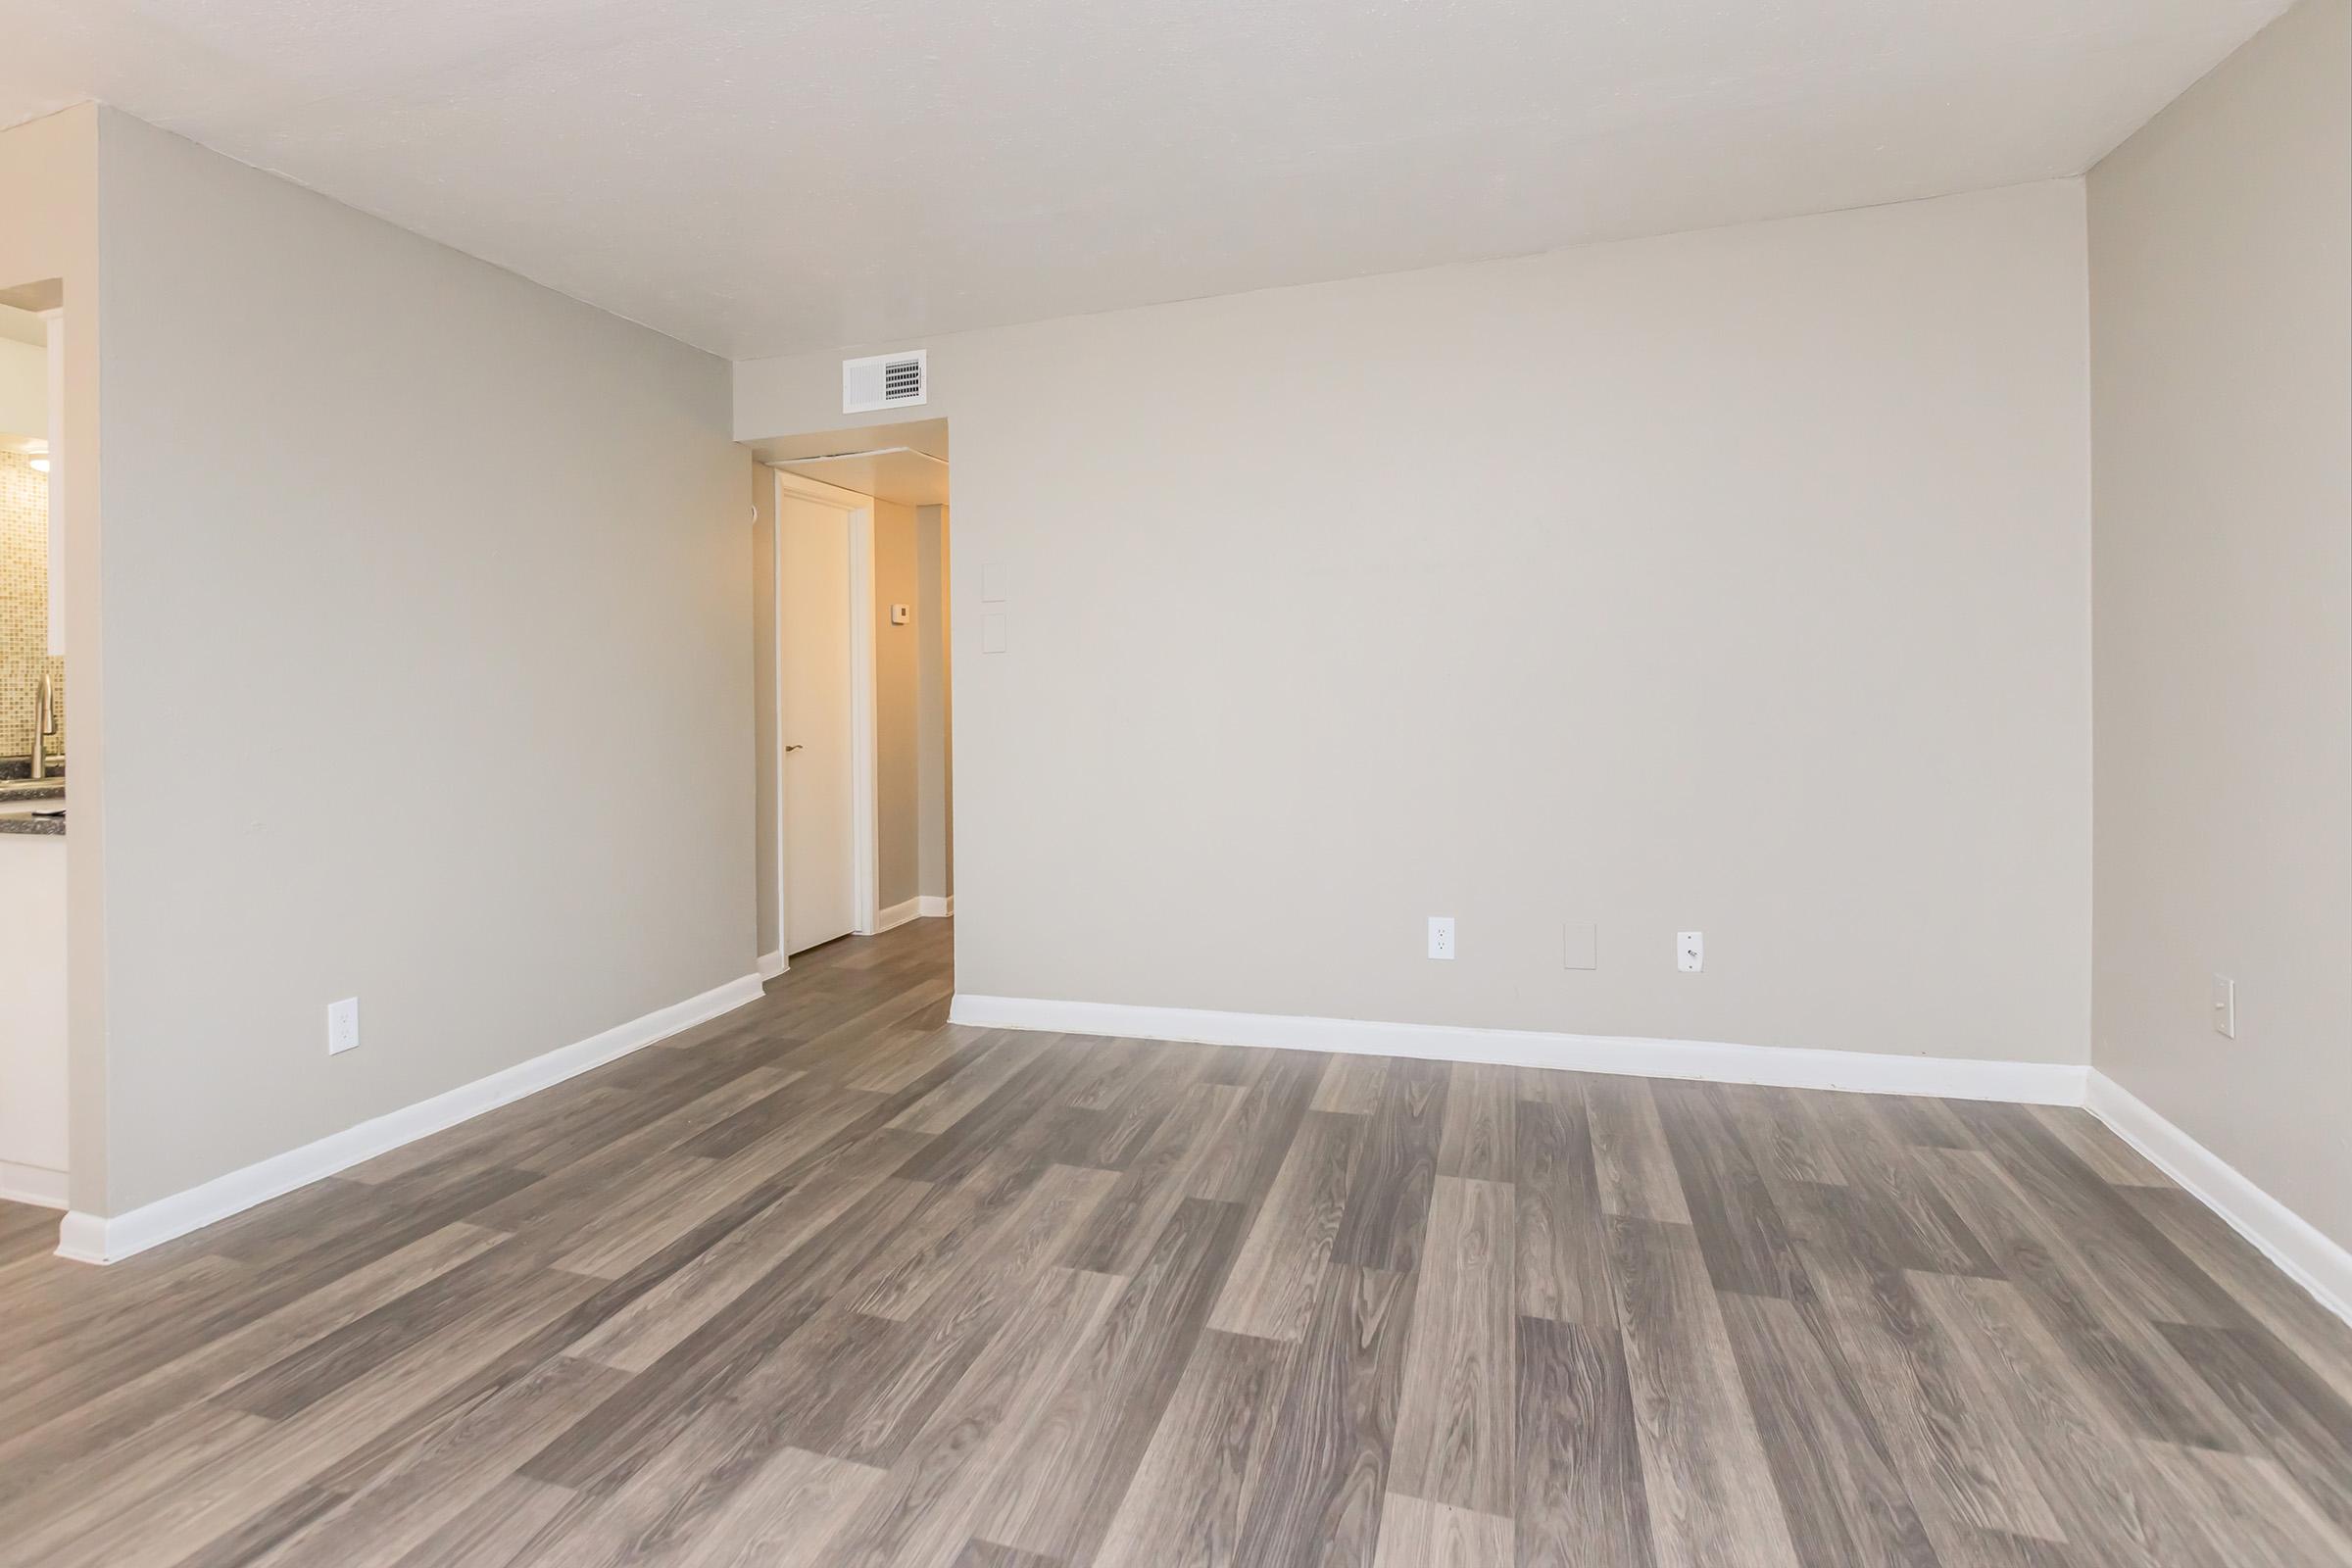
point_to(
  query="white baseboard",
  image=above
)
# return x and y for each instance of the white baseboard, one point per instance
(2284, 1237)
(772, 964)
(1947, 1077)
(898, 915)
(935, 907)
(96, 1239)
(36, 1185)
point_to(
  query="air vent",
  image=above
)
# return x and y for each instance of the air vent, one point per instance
(884, 381)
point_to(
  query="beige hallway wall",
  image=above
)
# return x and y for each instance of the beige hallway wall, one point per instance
(935, 734)
(2221, 248)
(1731, 581)
(898, 695)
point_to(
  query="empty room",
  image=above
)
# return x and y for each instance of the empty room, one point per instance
(1469, 785)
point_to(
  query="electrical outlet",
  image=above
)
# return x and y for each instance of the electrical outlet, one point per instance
(1440, 936)
(342, 1026)
(2225, 1007)
(1691, 950)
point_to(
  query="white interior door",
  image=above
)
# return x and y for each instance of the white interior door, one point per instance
(819, 769)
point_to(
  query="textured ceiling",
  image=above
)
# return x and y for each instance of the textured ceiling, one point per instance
(760, 177)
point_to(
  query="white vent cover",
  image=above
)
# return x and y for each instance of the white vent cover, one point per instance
(884, 381)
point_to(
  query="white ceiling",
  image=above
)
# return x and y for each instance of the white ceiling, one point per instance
(759, 176)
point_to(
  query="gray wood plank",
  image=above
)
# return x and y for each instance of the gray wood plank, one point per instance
(1184, 1507)
(1630, 1157)
(1581, 1496)
(1389, 1206)
(1272, 1288)
(1056, 1497)
(1454, 1423)
(1562, 1247)
(1319, 1498)
(1839, 1490)
(1712, 1502)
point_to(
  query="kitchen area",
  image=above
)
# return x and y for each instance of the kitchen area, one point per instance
(33, 775)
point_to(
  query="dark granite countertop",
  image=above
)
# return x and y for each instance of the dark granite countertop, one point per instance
(16, 786)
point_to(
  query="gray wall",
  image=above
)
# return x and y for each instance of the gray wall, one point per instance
(2221, 244)
(1731, 581)
(426, 598)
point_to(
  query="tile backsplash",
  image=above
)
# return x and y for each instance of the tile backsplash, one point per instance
(25, 607)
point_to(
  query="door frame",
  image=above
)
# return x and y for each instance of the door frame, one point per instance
(865, 871)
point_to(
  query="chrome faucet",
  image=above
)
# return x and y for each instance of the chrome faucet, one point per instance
(45, 724)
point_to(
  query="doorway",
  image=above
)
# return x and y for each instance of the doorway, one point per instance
(853, 689)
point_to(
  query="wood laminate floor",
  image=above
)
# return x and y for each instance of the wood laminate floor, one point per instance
(827, 1282)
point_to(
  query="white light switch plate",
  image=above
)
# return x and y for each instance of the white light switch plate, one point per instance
(1581, 948)
(342, 1026)
(995, 635)
(2225, 1007)
(1689, 951)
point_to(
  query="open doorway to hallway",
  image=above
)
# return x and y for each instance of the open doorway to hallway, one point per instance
(854, 696)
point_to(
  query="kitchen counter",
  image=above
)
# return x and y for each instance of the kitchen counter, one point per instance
(18, 793)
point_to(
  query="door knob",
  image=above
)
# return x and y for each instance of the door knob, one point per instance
(792, 747)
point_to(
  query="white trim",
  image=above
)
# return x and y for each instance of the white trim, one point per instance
(935, 907)
(2029, 1082)
(96, 1239)
(772, 964)
(898, 915)
(81, 1238)
(775, 717)
(865, 726)
(2284, 1237)
(36, 1185)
